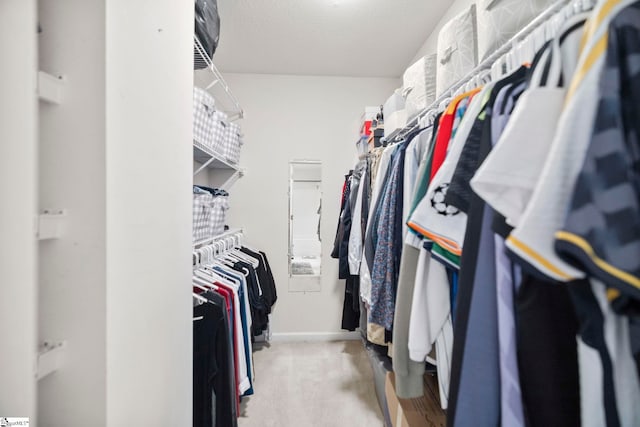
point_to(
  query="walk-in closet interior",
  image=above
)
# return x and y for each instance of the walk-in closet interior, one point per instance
(241, 213)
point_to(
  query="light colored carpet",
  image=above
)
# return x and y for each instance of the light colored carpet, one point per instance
(312, 385)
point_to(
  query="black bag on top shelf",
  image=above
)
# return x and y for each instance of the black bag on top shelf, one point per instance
(207, 29)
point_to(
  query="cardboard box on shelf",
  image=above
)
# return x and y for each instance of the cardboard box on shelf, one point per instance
(424, 411)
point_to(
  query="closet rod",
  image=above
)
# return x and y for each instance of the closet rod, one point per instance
(486, 64)
(221, 236)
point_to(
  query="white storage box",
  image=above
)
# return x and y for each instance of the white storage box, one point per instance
(233, 143)
(218, 218)
(204, 109)
(419, 85)
(202, 214)
(457, 49)
(397, 120)
(370, 113)
(499, 20)
(219, 130)
(394, 103)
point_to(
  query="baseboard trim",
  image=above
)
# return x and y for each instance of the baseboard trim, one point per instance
(315, 336)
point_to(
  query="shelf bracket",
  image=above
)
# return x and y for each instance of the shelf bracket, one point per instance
(204, 166)
(236, 116)
(232, 179)
(50, 88)
(51, 224)
(212, 84)
(50, 358)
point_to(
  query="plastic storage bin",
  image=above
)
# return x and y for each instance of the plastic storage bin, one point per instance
(204, 109)
(457, 49)
(419, 85)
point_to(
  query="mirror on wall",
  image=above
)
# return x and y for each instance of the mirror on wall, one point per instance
(305, 212)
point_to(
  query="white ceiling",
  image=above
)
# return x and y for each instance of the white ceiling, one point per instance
(362, 38)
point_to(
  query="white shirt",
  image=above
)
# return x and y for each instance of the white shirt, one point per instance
(448, 230)
(508, 176)
(533, 239)
(431, 322)
(625, 378)
(416, 151)
(354, 255)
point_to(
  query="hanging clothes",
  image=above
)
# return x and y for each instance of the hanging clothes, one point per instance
(236, 291)
(514, 226)
(606, 243)
(538, 301)
(430, 324)
(386, 262)
(212, 366)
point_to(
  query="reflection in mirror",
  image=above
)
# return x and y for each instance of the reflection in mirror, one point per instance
(305, 209)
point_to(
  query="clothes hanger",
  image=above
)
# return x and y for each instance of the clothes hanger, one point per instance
(222, 259)
(196, 285)
(232, 250)
(431, 117)
(485, 76)
(200, 298)
(201, 279)
(212, 274)
(255, 262)
(198, 278)
(245, 245)
(195, 259)
(216, 251)
(445, 103)
(216, 256)
(233, 257)
(470, 84)
(208, 276)
(241, 256)
(496, 69)
(203, 255)
(512, 58)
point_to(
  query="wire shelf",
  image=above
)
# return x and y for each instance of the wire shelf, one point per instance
(225, 234)
(487, 63)
(209, 78)
(210, 159)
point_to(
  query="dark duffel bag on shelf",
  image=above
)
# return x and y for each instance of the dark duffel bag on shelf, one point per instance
(207, 29)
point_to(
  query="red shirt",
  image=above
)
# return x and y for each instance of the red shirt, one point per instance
(444, 132)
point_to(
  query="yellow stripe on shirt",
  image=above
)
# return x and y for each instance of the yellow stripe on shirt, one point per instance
(598, 49)
(602, 264)
(594, 22)
(595, 54)
(612, 294)
(537, 257)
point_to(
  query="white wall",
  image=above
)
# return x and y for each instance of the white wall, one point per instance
(18, 256)
(431, 44)
(287, 118)
(72, 281)
(117, 154)
(149, 174)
